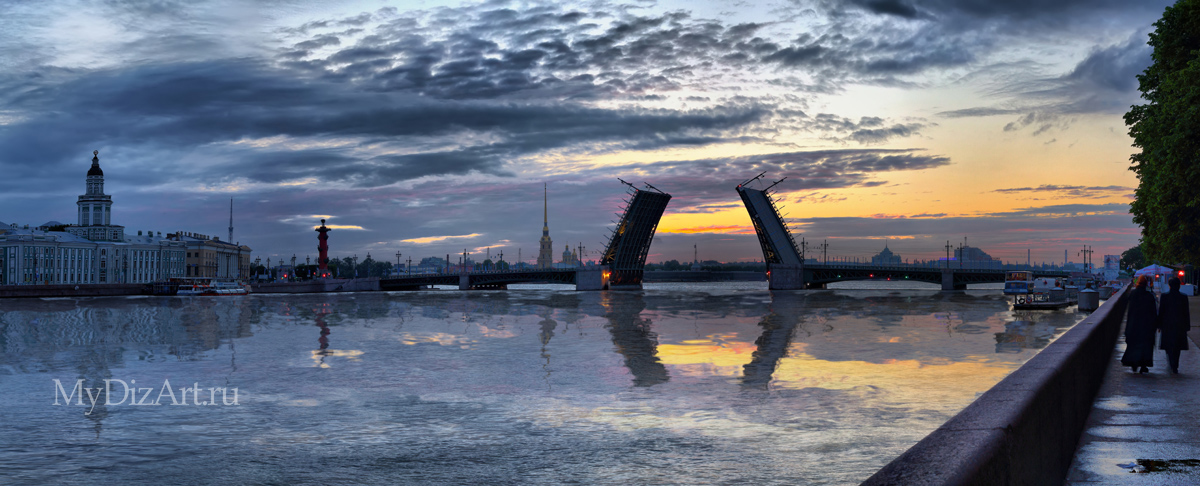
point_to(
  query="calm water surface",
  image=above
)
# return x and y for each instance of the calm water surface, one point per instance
(678, 384)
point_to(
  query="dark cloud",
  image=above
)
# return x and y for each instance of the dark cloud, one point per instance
(195, 104)
(890, 7)
(1114, 68)
(707, 182)
(1096, 192)
(868, 130)
(977, 111)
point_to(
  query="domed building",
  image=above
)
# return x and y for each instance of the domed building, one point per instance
(886, 257)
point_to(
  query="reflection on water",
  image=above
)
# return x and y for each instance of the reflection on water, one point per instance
(679, 384)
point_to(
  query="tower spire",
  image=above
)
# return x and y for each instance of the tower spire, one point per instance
(231, 220)
(545, 210)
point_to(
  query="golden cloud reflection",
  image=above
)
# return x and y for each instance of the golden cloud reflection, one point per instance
(715, 355)
(906, 381)
(444, 339)
(320, 355)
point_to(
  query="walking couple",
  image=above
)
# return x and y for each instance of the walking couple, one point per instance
(1144, 318)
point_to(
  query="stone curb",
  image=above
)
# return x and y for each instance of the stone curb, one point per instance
(1025, 429)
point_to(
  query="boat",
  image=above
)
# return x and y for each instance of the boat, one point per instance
(1029, 293)
(205, 287)
(225, 288)
(191, 289)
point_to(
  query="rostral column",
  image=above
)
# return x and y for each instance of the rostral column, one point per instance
(323, 249)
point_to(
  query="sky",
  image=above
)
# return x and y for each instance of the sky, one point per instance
(431, 128)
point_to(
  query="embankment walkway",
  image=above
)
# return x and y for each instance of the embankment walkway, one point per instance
(1144, 428)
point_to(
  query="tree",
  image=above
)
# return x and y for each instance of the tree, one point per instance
(1167, 130)
(1133, 258)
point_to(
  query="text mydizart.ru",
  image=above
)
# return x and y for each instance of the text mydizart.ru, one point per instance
(141, 396)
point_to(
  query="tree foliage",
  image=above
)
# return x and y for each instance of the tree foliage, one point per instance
(1133, 257)
(1167, 130)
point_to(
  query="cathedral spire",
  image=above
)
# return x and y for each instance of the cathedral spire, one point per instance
(545, 210)
(231, 220)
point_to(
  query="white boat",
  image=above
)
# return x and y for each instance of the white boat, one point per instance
(225, 288)
(191, 289)
(1035, 293)
(213, 288)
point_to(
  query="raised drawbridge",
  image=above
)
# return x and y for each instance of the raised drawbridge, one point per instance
(783, 257)
(629, 243)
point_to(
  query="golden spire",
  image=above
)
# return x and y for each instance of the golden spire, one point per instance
(545, 210)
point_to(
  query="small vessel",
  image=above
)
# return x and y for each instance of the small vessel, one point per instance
(225, 288)
(191, 289)
(1031, 293)
(206, 287)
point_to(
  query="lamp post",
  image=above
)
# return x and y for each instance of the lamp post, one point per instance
(397, 263)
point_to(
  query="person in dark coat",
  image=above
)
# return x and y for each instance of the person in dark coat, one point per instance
(1174, 321)
(1141, 322)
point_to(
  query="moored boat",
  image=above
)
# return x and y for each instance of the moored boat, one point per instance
(208, 287)
(1030, 293)
(225, 288)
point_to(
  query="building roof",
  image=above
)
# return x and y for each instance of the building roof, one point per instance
(95, 170)
(60, 236)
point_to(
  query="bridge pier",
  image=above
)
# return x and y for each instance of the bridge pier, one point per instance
(785, 277)
(592, 278)
(948, 281)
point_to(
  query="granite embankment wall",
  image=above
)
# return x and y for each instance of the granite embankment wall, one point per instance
(1025, 429)
(80, 290)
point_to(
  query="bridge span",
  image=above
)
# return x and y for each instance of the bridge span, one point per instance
(787, 268)
(585, 278)
(621, 267)
(816, 276)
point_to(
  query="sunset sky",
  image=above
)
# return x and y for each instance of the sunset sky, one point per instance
(430, 127)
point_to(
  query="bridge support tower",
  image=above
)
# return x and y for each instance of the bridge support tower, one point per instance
(592, 278)
(629, 243)
(785, 262)
(948, 281)
(785, 277)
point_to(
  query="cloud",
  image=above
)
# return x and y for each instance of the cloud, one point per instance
(723, 230)
(1095, 192)
(438, 239)
(868, 130)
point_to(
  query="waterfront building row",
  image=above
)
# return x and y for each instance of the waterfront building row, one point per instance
(95, 251)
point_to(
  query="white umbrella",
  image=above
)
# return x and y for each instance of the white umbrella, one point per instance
(1153, 270)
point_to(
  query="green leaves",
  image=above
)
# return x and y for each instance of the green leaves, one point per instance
(1167, 130)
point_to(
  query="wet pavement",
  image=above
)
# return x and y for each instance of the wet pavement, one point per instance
(1144, 428)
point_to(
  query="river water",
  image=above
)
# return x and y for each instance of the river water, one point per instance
(711, 383)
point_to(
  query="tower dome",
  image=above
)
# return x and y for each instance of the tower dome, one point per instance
(95, 170)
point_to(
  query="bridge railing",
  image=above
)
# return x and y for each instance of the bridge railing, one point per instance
(910, 267)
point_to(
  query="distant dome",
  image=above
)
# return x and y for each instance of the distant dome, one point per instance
(95, 170)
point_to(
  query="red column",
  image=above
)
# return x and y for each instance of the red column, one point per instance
(323, 250)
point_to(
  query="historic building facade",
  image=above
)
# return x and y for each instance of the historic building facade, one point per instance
(92, 251)
(886, 257)
(209, 257)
